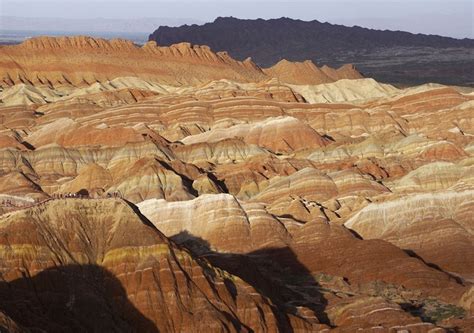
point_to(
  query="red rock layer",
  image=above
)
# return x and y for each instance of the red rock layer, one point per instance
(100, 265)
(84, 60)
(81, 61)
(308, 73)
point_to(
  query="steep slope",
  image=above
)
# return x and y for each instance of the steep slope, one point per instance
(74, 264)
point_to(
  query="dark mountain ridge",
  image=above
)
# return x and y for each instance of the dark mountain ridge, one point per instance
(395, 56)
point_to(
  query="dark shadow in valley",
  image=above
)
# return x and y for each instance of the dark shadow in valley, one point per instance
(354, 233)
(187, 182)
(72, 298)
(289, 216)
(220, 183)
(328, 137)
(142, 217)
(413, 254)
(416, 310)
(28, 145)
(275, 273)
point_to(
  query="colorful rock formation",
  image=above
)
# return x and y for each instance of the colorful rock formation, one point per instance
(175, 189)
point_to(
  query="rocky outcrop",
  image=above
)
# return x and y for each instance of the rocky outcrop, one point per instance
(177, 65)
(276, 134)
(308, 73)
(91, 264)
(434, 226)
(73, 65)
(236, 228)
(316, 186)
(356, 90)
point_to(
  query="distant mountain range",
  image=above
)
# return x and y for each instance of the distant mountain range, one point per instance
(393, 56)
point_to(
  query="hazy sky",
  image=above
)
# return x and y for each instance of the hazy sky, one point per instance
(447, 17)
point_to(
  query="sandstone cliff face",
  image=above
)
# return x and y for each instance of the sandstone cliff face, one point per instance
(176, 190)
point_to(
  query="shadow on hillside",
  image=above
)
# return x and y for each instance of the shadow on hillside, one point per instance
(275, 272)
(413, 254)
(73, 298)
